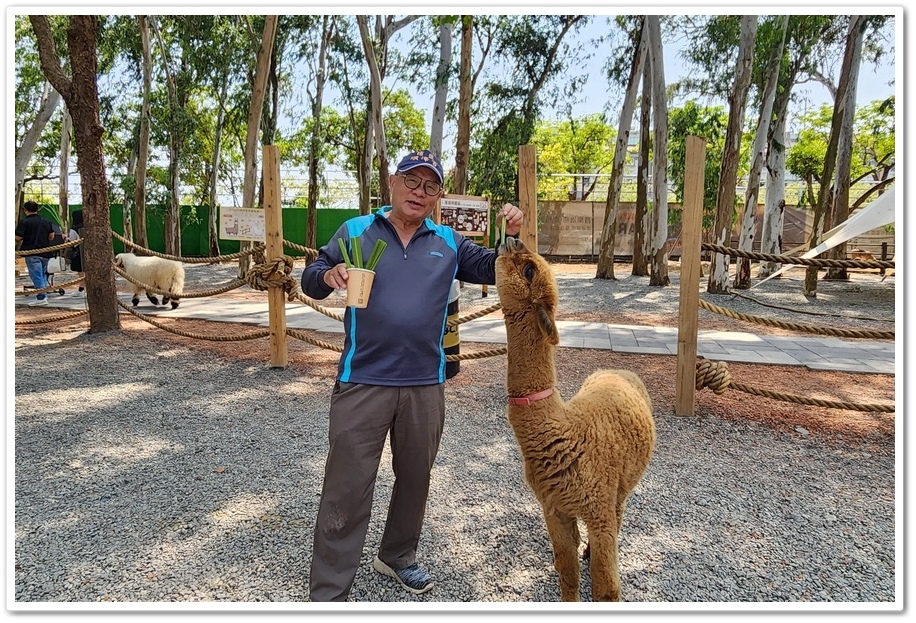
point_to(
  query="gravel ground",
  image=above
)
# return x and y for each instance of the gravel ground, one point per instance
(156, 473)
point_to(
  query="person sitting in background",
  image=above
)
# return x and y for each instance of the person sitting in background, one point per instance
(35, 232)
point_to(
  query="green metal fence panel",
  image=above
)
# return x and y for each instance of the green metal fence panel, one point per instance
(195, 241)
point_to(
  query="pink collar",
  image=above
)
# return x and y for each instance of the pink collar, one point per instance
(530, 398)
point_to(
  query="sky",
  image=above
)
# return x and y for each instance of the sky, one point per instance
(874, 82)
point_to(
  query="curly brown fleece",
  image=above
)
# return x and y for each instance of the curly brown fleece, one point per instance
(584, 456)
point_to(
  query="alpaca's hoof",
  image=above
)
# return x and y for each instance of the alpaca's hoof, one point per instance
(174, 304)
(135, 302)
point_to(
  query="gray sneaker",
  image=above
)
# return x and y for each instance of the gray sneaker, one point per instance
(415, 579)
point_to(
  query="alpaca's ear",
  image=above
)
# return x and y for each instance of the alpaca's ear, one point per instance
(545, 321)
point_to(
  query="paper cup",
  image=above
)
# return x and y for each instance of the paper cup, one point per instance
(359, 285)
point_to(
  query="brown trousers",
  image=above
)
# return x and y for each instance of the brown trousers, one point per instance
(361, 417)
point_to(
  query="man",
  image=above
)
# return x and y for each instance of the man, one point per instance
(35, 232)
(390, 376)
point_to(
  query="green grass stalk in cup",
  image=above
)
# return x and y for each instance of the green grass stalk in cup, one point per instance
(376, 255)
(343, 251)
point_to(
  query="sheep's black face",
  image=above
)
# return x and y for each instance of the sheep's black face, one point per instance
(524, 279)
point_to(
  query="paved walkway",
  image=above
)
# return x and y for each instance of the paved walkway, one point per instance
(816, 353)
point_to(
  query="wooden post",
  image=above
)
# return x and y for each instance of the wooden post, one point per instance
(273, 232)
(691, 230)
(528, 195)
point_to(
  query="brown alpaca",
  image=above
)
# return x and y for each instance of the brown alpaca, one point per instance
(584, 456)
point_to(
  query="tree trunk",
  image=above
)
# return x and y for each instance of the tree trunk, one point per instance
(642, 234)
(728, 176)
(63, 201)
(774, 210)
(375, 108)
(825, 194)
(605, 268)
(139, 222)
(82, 98)
(463, 140)
(441, 97)
(840, 203)
(268, 36)
(311, 233)
(213, 200)
(49, 102)
(758, 154)
(658, 268)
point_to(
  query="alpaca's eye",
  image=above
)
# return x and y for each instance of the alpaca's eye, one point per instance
(529, 272)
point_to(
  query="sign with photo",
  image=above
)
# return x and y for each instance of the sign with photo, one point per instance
(241, 224)
(466, 214)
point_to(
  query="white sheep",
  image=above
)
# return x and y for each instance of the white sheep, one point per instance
(157, 272)
(583, 457)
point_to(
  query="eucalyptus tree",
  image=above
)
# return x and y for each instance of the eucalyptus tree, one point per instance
(538, 54)
(641, 237)
(808, 40)
(80, 92)
(773, 36)
(467, 81)
(728, 174)
(446, 25)
(35, 103)
(319, 38)
(658, 250)
(262, 69)
(848, 71)
(376, 49)
(639, 43)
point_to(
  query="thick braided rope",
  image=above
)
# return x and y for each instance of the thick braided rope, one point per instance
(275, 273)
(190, 260)
(475, 315)
(803, 261)
(797, 326)
(45, 319)
(197, 336)
(57, 247)
(237, 283)
(478, 355)
(310, 254)
(323, 310)
(715, 375)
(807, 311)
(301, 335)
(54, 288)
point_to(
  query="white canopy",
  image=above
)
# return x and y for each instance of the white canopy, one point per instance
(879, 212)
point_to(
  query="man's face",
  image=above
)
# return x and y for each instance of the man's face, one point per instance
(414, 204)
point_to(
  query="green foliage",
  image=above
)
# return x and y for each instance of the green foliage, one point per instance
(710, 124)
(585, 145)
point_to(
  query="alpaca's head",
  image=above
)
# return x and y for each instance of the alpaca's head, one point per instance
(527, 288)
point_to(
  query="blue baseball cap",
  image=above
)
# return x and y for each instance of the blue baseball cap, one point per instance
(424, 158)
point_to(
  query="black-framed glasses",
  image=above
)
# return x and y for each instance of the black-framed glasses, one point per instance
(412, 182)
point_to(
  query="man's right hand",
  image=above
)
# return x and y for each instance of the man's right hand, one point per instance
(336, 277)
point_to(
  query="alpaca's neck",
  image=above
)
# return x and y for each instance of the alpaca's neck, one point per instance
(530, 362)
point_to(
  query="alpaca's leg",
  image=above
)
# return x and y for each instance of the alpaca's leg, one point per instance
(603, 563)
(564, 535)
(152, 299)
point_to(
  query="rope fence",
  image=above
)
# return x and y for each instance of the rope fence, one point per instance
(695, 373)
(277, 274)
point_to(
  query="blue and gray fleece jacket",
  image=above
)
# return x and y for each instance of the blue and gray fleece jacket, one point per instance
(397, 339)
